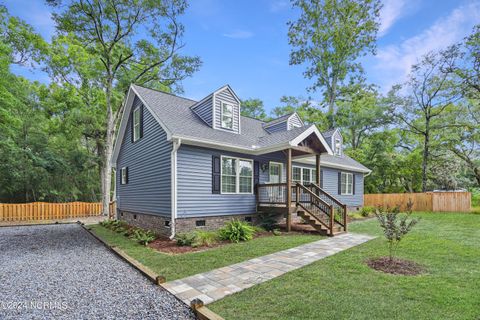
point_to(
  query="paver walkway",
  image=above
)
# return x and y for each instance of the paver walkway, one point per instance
(216, 284)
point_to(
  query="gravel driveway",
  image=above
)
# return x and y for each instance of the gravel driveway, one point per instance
(62, 272)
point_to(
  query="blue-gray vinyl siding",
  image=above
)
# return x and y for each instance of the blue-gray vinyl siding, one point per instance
(148, 162)
(195, 198)
(330, 185)
(281, 126)
(226, 96)
(204, 110)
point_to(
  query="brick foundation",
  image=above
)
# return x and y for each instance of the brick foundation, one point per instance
(156, 223)
(152, 222)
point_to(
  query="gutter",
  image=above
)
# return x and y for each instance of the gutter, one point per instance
(173, 158)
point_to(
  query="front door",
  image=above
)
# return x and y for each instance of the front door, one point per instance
(275, 172)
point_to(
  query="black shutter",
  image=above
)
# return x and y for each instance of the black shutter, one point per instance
(353, 183)
(120, 176)
(321, 179)
(216, 174)
(256, 173)
(126, 175)
(141, 121)
(339, 183)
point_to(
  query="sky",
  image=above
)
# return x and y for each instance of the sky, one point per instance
(245, 44)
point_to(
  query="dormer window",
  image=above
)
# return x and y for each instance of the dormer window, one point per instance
(338, 147)
(227, 116)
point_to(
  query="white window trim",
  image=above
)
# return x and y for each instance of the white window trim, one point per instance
(312, 176)
(122, 171)
(281, 170)
(221, 114)
(237, 175)
(346, 193)
(135, 137)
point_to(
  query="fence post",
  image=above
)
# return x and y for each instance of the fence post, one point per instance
(332, 219)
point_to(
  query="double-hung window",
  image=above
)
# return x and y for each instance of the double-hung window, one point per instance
(346, 184)
(303, 175)
(297, 174)
(227, 115)
(237, 175)
(136, 124)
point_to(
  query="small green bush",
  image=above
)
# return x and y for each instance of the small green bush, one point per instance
(258, 229)
(236, 231)
(276, 232)
(367, 211)
(142, 236)
(185, 239)
(268, 221)
(204, 238)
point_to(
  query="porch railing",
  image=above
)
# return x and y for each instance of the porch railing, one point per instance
(272, 194)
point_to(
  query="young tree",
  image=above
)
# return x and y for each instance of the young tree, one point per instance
(422, 103)
(102, 46)
(253, 108)
(329, 37)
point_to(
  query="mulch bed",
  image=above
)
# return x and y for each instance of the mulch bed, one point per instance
(166, 245)
(171, 247)
(396, 266)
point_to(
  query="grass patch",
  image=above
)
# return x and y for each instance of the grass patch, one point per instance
(344, 287)
(179, 266)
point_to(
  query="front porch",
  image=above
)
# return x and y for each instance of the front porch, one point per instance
(309, 201)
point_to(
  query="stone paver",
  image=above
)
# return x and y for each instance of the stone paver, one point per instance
(216, 284)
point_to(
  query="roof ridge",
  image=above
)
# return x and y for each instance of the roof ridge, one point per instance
(168, 93)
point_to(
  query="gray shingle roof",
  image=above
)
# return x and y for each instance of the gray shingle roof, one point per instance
(177, 116)
(277, 120)
(327, 134)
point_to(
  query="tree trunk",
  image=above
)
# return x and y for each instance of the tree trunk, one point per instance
(426, 151)
(106, 175)
(476, 171)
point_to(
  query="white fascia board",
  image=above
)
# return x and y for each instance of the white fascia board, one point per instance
(132, 92)
(306, 133)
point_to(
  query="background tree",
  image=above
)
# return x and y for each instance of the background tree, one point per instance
(329, 37)
(360, 113)
(430, 94)
(102, 46)
(253, 108)
(305, 108)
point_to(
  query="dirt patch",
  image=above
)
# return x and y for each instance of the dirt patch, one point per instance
(396, 266)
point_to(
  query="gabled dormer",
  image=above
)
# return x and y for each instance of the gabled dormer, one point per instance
(220, 110)
(284, 123)
(335, 140)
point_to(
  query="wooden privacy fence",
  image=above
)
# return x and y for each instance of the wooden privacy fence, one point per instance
(40, 211)
(428, 201)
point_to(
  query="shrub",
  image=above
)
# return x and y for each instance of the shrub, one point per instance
(395, 226)
(204, 238)
(367, 211)
(236, 231)
(142, 236)
(268, 221)
(277, 232)
(185, 239)
(258, 229)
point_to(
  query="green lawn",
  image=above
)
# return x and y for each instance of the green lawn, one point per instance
(179, 266)
(343, 287)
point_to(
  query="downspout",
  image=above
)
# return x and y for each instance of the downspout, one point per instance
(114, 198)
(173, 157)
